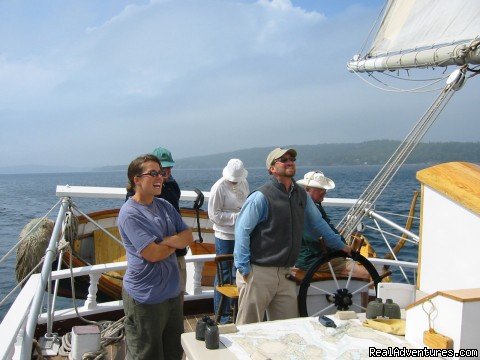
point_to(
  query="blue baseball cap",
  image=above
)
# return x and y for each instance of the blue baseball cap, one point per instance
(165, 156)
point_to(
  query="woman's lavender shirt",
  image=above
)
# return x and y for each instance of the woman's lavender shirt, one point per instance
(140, 225)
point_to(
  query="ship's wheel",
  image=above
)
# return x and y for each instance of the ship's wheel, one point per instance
(325, 292)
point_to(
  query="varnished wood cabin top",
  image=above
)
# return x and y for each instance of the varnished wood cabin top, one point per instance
(459, 181)
(460, 295)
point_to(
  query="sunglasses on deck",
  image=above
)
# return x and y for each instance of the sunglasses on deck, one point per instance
(154, 173)
(285, 159)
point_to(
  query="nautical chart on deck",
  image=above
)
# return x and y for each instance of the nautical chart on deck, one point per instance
(306, 338)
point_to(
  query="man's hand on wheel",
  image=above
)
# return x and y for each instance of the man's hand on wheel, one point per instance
(347, 249)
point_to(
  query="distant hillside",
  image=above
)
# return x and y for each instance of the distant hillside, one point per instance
(369, 152)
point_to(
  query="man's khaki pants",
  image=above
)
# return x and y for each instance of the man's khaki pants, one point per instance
(266, 290)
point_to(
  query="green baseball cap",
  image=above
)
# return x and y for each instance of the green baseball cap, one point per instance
(165, 156)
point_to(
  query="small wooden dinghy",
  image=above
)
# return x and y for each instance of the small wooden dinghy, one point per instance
(95, 246)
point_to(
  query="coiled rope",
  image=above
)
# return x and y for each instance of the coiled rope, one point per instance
(110, 331)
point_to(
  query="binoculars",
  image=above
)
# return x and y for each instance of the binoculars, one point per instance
(207, 330)
(378, 308)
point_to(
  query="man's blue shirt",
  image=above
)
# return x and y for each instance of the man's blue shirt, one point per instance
(255, 211)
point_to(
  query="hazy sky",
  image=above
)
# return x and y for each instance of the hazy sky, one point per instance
(92, 83)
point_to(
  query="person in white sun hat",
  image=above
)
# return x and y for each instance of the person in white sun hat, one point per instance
(316, 185)
(226, 199)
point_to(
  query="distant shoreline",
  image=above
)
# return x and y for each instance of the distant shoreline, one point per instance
(369, 153)
(124, 169)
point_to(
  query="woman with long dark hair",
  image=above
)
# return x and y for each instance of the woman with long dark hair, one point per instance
(151, 231)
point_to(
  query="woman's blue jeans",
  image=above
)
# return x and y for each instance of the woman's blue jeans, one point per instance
(224, 247)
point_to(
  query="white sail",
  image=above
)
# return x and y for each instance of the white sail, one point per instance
(420, 33)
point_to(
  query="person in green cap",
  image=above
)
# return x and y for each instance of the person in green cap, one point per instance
(170, 192)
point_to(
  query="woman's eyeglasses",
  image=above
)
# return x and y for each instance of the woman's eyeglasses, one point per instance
(285, 159)
(154, 173)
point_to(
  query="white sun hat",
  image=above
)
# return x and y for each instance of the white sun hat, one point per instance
(234, 171)
(316, 179)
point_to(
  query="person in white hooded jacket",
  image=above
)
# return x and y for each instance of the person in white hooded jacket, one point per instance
(227, 196)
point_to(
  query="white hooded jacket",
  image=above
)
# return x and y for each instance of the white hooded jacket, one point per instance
(226, 200)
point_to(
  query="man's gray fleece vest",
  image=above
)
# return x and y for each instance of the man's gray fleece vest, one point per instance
(277, 241)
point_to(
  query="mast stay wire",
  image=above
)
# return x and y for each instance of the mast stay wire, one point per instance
(368, 198)
(382, 11)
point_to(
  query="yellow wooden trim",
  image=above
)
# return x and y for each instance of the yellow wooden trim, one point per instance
(99, 215)
(230, 291)
(459, 181)
(193, 214)
(209, 267)
(460, 295)
(108, 250)
(203, 230)
(103, 214)
(463, 295)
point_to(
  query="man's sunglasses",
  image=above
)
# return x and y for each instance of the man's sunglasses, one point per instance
(154, 173)
(285, 159)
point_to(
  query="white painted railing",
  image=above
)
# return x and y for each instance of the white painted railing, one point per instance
(15, 320)
(186, 195)
(13, 325)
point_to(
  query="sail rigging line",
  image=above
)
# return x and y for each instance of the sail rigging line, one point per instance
(37, 301)
(410, 79)
(375, 188)
(97, 224)
(414, 90)
(25, 279)
(372, 28)
(395, 236)
(475, 69)
(370, 195)
(31, 230)
(22, 282)
(395, 214)
(69, 233)
(390, 168)
(391, 250)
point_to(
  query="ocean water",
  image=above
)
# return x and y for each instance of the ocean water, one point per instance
(23, 197)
